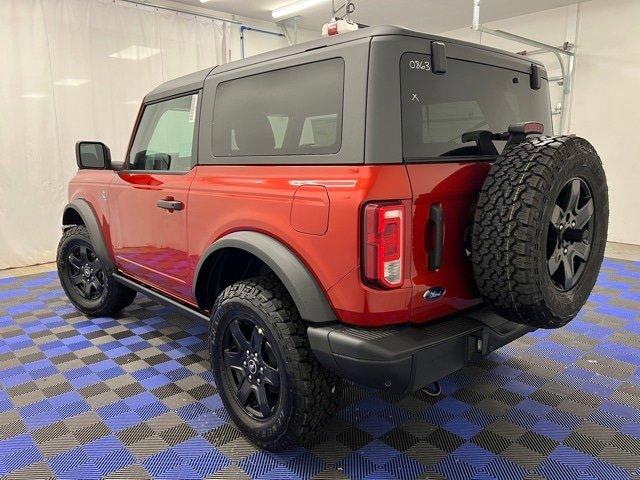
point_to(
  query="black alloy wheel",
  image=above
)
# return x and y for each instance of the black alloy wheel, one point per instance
(268, 378)
(85, 272)
(252, 367)
(88, 281)
(570, 234)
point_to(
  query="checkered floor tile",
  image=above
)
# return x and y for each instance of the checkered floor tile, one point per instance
(132, 397)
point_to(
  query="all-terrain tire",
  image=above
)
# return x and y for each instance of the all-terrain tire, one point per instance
(309, 392)
(114, 297)
(510, 241)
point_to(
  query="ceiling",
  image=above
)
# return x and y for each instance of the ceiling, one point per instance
(428, 15)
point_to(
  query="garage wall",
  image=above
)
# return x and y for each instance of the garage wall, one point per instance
(258, 42)
(71, 70)
(255, 42)
(604, 105)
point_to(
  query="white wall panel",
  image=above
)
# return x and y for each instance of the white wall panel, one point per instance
(31, 169)
(77, 70)
(605, 105)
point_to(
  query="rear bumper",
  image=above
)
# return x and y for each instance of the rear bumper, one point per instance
(406, 358)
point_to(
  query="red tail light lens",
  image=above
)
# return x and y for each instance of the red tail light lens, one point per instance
(383, 244)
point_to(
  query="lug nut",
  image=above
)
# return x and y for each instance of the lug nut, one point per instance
(573, 224)
(258, 380)
(250, 378)
(247, 352)
(260, 331)
(244, 363)
(261, 369)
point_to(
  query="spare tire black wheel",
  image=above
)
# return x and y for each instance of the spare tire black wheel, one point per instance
(540, 230)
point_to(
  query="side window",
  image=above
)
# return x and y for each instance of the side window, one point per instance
(292, 111)
(164, 140)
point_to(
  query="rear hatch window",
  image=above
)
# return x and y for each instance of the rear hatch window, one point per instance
(438, 109)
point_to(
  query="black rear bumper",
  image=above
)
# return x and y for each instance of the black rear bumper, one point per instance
(406, 358)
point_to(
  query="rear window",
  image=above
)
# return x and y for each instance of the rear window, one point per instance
(292, 111)
(438, 109)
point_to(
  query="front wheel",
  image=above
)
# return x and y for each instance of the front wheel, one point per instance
(268, 378)
(87, 282)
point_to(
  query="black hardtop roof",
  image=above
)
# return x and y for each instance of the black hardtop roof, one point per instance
(195, 80)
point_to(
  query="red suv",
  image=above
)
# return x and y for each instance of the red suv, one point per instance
(379, 206)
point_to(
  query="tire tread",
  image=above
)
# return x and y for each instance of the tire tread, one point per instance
(117, 296)
(315, 388)
(507, 227)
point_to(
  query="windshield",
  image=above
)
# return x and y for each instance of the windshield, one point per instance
(438, 109)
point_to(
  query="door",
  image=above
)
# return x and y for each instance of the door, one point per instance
(148, 198)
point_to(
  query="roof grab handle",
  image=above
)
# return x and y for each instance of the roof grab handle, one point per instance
(438, 58)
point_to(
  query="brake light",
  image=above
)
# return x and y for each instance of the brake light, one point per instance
(383, 244)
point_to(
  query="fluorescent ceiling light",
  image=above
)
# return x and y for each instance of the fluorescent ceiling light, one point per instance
(34, 95)
(71, 82)
(292, 8)
(136, 52)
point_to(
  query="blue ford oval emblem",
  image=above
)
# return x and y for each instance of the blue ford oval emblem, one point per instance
(433, 293)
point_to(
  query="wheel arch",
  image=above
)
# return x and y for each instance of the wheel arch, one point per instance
(305, 291)
(80, 212)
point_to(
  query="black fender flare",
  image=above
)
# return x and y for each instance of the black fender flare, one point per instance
(296, 277)
(88, 216)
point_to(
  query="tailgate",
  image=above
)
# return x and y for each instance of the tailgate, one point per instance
(447, 121)
(444, 196)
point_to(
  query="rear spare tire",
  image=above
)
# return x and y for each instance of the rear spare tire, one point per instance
(540, 230)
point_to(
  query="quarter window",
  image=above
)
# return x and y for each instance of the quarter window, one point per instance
(164, 140)
(292, 111)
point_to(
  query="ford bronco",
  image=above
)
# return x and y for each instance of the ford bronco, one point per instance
(381, 206)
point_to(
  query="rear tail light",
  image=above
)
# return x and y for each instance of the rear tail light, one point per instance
(383, 244)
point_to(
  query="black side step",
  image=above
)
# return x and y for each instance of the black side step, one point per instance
(160, 298)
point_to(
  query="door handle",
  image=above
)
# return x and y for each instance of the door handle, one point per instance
(168, 203)
(436, 218)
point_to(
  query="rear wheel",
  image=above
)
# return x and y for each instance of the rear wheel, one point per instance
(252, 367)
(87, 282)
(269, 380)
(540, 230)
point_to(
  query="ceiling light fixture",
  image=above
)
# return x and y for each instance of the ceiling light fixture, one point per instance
(292, 8)
(71, 82)
(136, 52)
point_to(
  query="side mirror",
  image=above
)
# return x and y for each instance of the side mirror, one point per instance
(93, 155)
